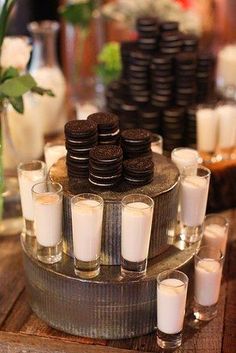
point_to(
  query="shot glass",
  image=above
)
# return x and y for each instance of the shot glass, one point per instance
(53, 151)
(47, 198)
(28, 175)
(185, 157)
(87, 216)
(137, 213)
(208, 263)
(215, 232)
(157, 143)
(193, 201)
(172, 289)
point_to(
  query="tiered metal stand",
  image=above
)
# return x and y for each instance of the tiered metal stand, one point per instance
(108, 306)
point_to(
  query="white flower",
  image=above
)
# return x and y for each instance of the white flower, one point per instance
(15, 52)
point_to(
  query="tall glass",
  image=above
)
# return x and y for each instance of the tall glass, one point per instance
(185, 157)
(215, 233)
(193, 202)
(87, 216)
(28, 175)
(137, 213)
(208, 263)
(54, 151)
(47, 199)
(172, 289)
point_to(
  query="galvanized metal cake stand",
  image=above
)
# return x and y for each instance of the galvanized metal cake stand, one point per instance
(109, 306)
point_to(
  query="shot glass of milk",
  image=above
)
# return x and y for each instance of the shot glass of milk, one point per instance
(172, 289)
(208, 263)
(157, 143)
(47, 199)
(28, 175)
(185, 157)
(215, 232)
(194, 189)
(53, 151)
(87, 217)
(136, 224)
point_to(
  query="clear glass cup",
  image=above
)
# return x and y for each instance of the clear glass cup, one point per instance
(54, 151)
(208, 264)
(87, 217)
(172, 286)
(47, 198)
(157, 143)
(28, 175)
(215, 232)
(136, 224)
(194, 189)
(185, 157)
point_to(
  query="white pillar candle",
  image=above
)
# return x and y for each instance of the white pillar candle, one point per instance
(207, 282)
(207, 130)
(171, 299)
(226, 67)
(185, 157)
(227, 125)
(215, 236)
(136, 231)
(53, 153)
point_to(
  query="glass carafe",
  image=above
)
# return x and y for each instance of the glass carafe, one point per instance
(47, 73)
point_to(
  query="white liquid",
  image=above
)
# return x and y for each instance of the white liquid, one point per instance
(227, 125)
(136, 231)
(207, 130)
(185, 157)
(27, 180)
(53, 153)
(193, 200)
(87, 229)
(48, 219)
(207, 282)
(215, 236)
(52, 110)
(156, 148)
(171, 300)
(226, 67)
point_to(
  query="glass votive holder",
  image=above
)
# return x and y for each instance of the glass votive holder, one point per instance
(172, 289)
(47, 198)
(194, 189)
(87, 217)
(185, 157)
(208, 263)
(54, 151)
(215, 232)
(157, 143)
(136, 224)
(28, 175)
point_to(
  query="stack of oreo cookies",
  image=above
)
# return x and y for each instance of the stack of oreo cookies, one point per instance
(173, 127)
(170, 39)
(190, 132)
(205, 65)
(136, 143)
(81, 136)
(125, 49)
(185, 90)
(190, 43)
(108, 127)
(138, 171)
(162, 81)
(150, 118)
(129, 118)
(147, 28)
(105, 165)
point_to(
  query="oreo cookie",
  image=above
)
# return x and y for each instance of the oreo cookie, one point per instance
(108, 127)
(138, 171)
(105, 165)
(136, 142)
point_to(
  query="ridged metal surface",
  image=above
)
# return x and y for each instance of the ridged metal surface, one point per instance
(164, 191)
(108, 306)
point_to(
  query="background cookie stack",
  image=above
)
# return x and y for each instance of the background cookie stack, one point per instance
(108, 128)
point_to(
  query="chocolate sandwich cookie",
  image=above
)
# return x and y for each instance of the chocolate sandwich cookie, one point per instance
(105, 165)
(169, 26)
(138, 171)
(108, 127)
(136, 142)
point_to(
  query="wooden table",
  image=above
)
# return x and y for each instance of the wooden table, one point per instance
(22, 332)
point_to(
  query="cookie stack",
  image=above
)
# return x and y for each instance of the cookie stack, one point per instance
(190, 43)
(150, 118)
(190, 132)
(108, 127)
(138, 171)
(173, 127)
(205, 64)
(147, 28)
(81, 136)
(105, 165)
(136, 143)
(128, 114)
(170, 39)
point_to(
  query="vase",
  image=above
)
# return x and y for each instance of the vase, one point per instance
(47, 73)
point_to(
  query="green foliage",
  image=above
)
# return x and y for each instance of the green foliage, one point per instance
(4, 16)
(79, 14)
(109, 62)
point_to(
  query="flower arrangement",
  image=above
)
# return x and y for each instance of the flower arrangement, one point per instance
(128, 11)
(109, 62)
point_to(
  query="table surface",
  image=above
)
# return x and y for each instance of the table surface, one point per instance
(22, 332)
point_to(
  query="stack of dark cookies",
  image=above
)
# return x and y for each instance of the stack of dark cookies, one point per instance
(105, 165)
(108, 127)
(173, 127)
(170, 74)
(138, 171)
(136, 143)
(81, 136)
(191, 126)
